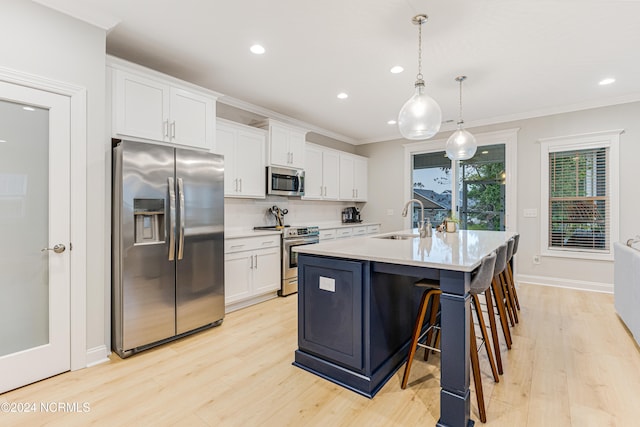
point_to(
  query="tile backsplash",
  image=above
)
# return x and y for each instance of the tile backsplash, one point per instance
(248, 213)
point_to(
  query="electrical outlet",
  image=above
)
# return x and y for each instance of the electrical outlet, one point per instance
(390, 212)
(536, 259)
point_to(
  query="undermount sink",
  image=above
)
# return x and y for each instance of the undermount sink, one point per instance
(399, 236)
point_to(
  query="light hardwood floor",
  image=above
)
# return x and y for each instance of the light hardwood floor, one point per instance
(572, 363)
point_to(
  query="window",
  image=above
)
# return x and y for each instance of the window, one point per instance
(579, 201)
(479, 192)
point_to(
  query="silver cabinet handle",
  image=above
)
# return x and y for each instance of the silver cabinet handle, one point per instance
(235, 185)
(173, 129)
(182, 218)
(59, 248)
(256, 260)
(165, 125)
(241, 185)
(251, 262)
(172, 219)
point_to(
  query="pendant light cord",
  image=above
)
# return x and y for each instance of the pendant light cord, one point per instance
(460, 121)
(460, 79)
(419, 76)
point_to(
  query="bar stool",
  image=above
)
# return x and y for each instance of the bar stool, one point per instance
(480, 283)
(496, 290)
(512, 281)
(506, 285)
(431, 294)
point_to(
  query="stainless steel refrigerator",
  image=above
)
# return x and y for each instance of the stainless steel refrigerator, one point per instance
(168, 244)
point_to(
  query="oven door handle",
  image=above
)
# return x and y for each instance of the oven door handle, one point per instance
(295, 242)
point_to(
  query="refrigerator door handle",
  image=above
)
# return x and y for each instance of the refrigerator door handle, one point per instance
(172, 219)
(182, 221)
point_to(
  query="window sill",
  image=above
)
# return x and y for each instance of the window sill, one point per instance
(575, 254)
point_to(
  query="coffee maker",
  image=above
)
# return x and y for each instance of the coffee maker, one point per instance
(351, 215)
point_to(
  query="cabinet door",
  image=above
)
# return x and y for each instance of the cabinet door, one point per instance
(296, 148)
(266, 271)
(313, 179)
(250, 164)
(347, 189)
(330, 173)
(330, 309)
(279, 145)
(192, 119)
(141, 107)
(360, 178)
(237, 276)
(225, 145)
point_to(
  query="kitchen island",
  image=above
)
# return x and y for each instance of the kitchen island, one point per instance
(357, 304)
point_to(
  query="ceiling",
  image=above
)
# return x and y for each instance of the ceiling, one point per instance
(523, 58)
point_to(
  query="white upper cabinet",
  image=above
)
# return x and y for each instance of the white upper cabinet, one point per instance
(286, 144)
(148, 106)
(243, 148)
(321, 173)
(353, 177)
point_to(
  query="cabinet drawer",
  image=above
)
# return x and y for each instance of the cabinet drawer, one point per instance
(344, 232)
(373, 229)
(251, 243)
(328, 234)
(359, 231)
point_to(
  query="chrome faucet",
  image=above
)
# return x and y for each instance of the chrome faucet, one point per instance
(422, 226)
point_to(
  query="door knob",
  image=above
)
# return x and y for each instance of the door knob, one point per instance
(59, 248)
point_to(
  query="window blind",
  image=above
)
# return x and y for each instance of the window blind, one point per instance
(579, 200)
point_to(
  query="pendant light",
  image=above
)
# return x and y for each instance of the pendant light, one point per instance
(421, 116)
(461, 145)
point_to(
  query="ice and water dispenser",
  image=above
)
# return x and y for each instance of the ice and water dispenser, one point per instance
(149, 221)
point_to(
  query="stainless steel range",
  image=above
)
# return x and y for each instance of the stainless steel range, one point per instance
(292, 237)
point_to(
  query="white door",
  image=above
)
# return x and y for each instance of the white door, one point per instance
(34, 215)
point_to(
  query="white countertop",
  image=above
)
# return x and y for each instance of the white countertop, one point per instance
(248, 232)
(459, 251)
(330, 225)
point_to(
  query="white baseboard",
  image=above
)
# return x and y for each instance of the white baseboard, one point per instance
(97, 355)
(251, 301)
(565, 283)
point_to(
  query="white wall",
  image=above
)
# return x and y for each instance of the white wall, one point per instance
(43, 42)
(386, 188)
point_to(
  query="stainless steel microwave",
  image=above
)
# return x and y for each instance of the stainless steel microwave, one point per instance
(285, 182)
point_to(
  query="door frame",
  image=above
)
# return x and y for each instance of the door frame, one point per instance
(508, 137)
(78, 202)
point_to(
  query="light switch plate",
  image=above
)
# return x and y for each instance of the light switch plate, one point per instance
(531, 213)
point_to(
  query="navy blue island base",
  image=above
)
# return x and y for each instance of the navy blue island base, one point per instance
(355, 319)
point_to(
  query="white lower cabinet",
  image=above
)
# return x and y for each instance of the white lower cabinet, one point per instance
(252, 270)
(348, 232)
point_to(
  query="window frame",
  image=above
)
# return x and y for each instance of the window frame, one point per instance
(595, 140)
(508, 137)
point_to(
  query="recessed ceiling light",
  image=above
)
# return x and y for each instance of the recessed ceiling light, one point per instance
(342, 95)
(391, 122)
(485, 152)
(3, 140)
(257, 49)
(29, 108)
(396, 69)
(606, 81)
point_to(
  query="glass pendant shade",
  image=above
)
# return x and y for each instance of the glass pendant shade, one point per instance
(420, 117)
(461, 145)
